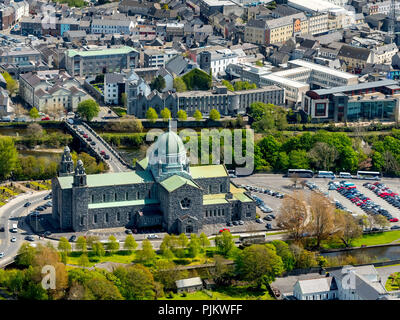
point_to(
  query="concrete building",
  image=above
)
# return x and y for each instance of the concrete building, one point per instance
(355, 58)
(114, 87)
(164, 190)
(112, 26)
(158, 58)
(96, 60)
(216, 61)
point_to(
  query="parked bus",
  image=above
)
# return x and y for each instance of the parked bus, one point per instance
(369, 175)
(302, 173)
(249, 239)
(326, 174)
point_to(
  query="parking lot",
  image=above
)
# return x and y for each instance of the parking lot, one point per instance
(284, 185)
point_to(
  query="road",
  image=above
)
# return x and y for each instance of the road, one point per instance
(114, 163)
(12, 213)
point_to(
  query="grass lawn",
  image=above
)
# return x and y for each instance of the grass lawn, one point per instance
(120, 256)
(225, 293)
(393, 282)
(377, 238)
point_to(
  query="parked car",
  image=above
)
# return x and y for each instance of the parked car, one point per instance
(45, 118)
(268, 226)
(27, 204)
(1, 255)
(224, 229)
(30, 238)
(128, 231)
(13, 239)
(72, 238)
(241, 222)
(152, 236)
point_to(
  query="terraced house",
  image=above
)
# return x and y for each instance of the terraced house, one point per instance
(51, 90)
(164, 190)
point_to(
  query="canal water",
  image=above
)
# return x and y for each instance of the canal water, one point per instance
(375, 253)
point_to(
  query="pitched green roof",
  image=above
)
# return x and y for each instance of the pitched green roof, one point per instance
(92, 53)
(211, 171)
(144, 163)
(238, 194)
(114, 204)
(109, 179)
(215, 198)
(174, 182)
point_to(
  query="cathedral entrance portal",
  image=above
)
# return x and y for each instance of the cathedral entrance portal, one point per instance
(189, 229)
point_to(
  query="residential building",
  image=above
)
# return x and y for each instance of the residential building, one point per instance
(96, 60)
(51, 91)
(216, 61)
(384, 54)
(316, 289)
(380, 7)
(189, 285)
(20, 60)
(7, 16)
(355, 58)
(112, 26)
(5, 103)
(114, 87)
(157, 58)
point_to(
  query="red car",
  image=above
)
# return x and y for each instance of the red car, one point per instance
(224, 229)
(85, 136)
(45, 118)
(102, 152)
(394, 220)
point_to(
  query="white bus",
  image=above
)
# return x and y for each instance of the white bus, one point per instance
(301, 173)
(326, 174)
(369, 175)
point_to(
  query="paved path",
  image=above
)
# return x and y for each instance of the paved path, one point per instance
(385, 272)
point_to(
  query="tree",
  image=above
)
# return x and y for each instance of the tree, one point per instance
(147, 253)
(84, 260)
(293, 215)
(25, 256)
(204, 241)
(112, 244)
(197, 80)
(214, 115)
(130, 243)
(81, 244)
(34, 113)
(136, 282)
(347, 227)
(322, 219)
(179, 84)
(298, 159)
(8, 157)
(197, 115)
(102, 289)
(182, 115)
(259, 264)
(151, 115)
(88, 109)
(158, 83)
(165, 114)
(12, 85)
(381, 221)
(183, 240)
(34, 130)
(194, 245)
(224, 243)
(283, 250)
(98, 249)
(323, 156)
(228, 85)
(64, 246)
(166, 274)
(259, 63)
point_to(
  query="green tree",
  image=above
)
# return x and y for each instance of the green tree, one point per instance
(64, 246)
(8, 157)
(224, 243)
(81, 244)
(197, 115)
(228, 85)
(214, 115)
(259, 264)
(183, 240)
(283, 250)
(158, 83)
(136, 282)
(147, 254)
(98, 249)
(298, 159)
(259, 63)
(182, 115)
(194, 245)
(197, 80)
(12, 85)
(112, 244)
(151, 115)
(88, 109)
(102, 289)
(130, 243)
(34, 113)
(179, 85)
(84, 260)
(204, 241)
(165, 114)
(25, 256)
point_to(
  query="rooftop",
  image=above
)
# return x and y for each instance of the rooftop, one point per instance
(174, 182)
(92, 53)
(210, 171)
(116, 204)
(318, 67)
(109, 179)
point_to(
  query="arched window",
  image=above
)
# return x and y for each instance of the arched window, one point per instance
(126, 195)
(107, 217)
(118, 216)
(104, 198)
(115, 197)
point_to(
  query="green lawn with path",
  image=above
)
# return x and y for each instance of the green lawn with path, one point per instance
(393, 282)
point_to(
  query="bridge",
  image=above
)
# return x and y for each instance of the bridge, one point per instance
(115, 162)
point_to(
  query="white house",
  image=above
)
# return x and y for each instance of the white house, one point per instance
(316, 289)
(112, 26)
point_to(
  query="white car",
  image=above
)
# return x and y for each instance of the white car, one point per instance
(152, 236)
(13, 239)
(1, 254)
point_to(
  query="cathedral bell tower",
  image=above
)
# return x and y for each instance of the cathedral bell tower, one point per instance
(80, 178)
(66, 165)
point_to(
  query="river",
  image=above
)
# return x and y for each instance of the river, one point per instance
(375, 253)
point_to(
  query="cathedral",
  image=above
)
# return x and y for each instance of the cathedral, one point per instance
(163, 190)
